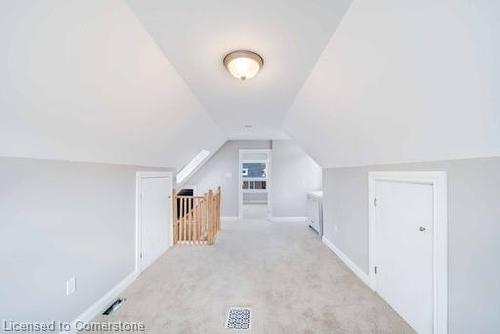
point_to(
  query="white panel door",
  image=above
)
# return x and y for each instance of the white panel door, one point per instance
(403, 250)
(155, 218)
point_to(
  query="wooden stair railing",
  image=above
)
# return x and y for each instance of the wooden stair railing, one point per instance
(196, 219)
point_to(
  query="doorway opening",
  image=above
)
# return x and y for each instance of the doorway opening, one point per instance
(254, 184)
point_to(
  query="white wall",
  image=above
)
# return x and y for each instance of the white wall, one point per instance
(404, 81)
(84, 81)
(473, 232)
(60, 219)
(222, 170)
(294, 174)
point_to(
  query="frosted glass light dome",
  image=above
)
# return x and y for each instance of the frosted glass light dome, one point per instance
(243, 64)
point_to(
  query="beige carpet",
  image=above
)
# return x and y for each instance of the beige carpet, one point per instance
(290, 280)
(254, 211)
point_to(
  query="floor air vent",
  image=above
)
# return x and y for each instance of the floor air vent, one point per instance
(115, 306)
(239, 318)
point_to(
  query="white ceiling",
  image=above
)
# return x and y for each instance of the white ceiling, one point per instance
(289, 34)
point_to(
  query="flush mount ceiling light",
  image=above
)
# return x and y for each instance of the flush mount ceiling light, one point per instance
(243, 64)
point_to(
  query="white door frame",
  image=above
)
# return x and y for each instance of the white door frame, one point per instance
(268, 184)
(438, 181)
(138, 214)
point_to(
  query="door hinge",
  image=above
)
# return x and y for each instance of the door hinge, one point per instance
(140, 255)
(375, 269)
(375, 201)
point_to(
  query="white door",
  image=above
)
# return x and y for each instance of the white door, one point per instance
(155, 213)
(403, 250)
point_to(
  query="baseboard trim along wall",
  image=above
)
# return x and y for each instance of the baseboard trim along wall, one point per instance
(230, 219)
(351, 265)
(100, 305)
(289, 219)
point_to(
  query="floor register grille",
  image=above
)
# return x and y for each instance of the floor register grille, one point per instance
(239, 318)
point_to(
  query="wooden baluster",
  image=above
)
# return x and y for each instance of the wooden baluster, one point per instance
(184, 225)
(210, 217)
(215, 215)
(192, 219)
(191, 222)
(204, 216)
(183, 218)
(214, 230)
(179, 237)
(218, 208)
(191, 225)
(217, 197)
(202, 203)
(207, 217)
(196, 220)
(188, 221)
(211, 212)
(200, 220)
(184, 212)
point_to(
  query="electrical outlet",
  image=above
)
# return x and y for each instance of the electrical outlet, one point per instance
(70, 286)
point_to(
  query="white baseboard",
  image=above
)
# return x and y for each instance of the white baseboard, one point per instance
(351, 265)
(289, 219)
(230, 219)
(99, 306)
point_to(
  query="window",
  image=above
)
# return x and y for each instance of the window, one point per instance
(192, 166)
(254, 176)
(254, 169)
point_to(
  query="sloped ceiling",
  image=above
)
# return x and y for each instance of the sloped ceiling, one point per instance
(195, 35)
(83, 80)
(399, 80)
(404, 81)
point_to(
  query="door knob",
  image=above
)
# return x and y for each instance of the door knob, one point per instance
(421, 228)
